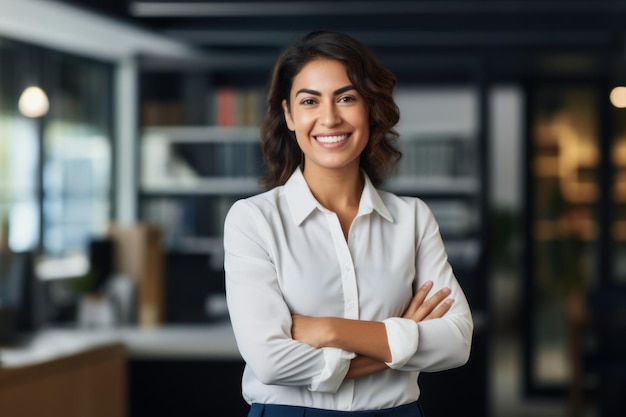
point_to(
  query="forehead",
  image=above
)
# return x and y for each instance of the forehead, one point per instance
(321, 73)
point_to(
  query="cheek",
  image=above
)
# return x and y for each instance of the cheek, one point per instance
(364, 130)
(359, 117)
(303, 121)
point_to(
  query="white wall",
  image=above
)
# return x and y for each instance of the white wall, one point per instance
(506, 104)
(434, 110)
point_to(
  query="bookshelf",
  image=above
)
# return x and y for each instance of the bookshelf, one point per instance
(190, 176)
(200, 160)
(199, 152)
(185, 168)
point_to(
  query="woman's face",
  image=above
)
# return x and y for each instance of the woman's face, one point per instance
(328, 116)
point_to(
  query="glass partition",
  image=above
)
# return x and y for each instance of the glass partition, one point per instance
(563, 195)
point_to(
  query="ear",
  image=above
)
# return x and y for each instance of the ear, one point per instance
(290, 125)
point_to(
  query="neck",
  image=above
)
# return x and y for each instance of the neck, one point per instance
(335, 189)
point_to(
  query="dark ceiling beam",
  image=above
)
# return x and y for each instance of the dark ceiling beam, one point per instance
(224, 61)
(478, 38)
(232, 37)
(397, 61)
(378, 8)
(256, 61)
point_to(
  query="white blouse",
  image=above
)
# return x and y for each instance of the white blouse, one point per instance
(285, 254)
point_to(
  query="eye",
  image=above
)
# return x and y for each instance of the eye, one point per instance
(346, 99)
(307, 102)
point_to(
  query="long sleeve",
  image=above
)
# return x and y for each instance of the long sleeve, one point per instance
(440, 343)
(259, 314)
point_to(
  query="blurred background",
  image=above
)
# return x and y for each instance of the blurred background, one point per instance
(128, 128)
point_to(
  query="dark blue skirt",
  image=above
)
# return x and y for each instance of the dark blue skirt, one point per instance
(274, 410)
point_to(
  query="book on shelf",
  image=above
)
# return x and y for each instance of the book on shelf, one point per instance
(230, 106)
(440, 157)
(162, 113)
(252, 108)
(226, 107)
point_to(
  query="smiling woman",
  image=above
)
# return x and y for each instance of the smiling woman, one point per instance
(329, 118)
(352, 83)
(339, 293)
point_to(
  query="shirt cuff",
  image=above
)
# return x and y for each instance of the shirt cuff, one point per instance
(402, 337)
(336, 365)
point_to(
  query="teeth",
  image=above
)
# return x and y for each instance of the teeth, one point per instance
(331, 139)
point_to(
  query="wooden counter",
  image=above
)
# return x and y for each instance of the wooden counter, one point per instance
(89, 382)
(122, 371)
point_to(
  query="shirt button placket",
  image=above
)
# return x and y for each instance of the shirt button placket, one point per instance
(350, 292)
(345, 396)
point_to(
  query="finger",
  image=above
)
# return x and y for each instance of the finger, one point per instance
(440, 310)
(418, 299)
(430, 304)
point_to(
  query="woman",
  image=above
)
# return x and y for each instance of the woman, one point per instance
(339, 294)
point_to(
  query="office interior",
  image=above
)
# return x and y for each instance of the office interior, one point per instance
(128, 128)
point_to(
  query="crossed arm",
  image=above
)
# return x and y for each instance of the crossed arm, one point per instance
(368, 339)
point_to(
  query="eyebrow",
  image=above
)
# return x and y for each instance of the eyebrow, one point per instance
(317, 93)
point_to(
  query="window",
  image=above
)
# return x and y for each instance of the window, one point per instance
(55, 170)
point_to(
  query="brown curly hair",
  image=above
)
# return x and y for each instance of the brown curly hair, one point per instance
(374, 83)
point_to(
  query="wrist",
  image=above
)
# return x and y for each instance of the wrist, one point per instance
(332, 335)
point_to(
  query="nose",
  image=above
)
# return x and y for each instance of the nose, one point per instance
(330, 115)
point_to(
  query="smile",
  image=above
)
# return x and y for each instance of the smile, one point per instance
(331, 139)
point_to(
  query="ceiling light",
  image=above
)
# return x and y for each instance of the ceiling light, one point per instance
(33, 102)
(618, 97)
